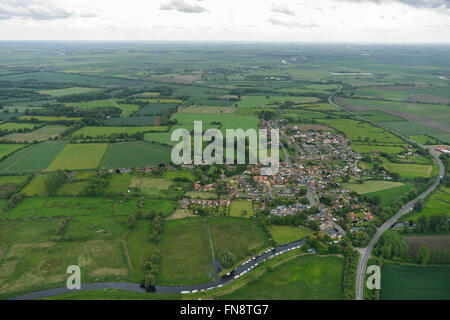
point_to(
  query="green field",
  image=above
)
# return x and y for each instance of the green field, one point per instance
(113, 294)
(180, 173)
(405, 282)
(127, 109)
(73, 188)
(409, 170)
(110, 131)
(307, 277)
(227, 121)
(13, 126)
(79, 157)
(201, 195)
(118, 183)
(238, 208)
(240, 236)
(153, 109)
(371, 186)
(67, 91)
(50, 118)
(358, 131)
(203, 109)
(11, 183)
(36, 187)
(388, 196)
(287, 234)
(6, 149)
(423, 139)
(164, 207)
(405, 170)
(361, 148)
(147, 182)
(135, 154)
(44, 264)
(437, 203)
(140, 247)
(60, 207)
(41, 134)
(185, 252)
(256, 101)
(430, 111)
(34, 158)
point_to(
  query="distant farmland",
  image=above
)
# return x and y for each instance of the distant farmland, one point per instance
(108, 131)
(41, 134)
(127, 109)
(67, 91)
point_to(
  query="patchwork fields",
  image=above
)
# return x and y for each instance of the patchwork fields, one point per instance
(36, 157)
(111, 131)
(41, 134)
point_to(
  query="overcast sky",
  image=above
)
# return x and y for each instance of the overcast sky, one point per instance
(229, 20)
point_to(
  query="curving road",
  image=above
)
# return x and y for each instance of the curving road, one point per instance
(366, 252)
(129, 286)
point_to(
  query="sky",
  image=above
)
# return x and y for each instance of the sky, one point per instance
(366, 21)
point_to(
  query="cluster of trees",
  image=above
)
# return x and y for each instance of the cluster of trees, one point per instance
(10, 193)
(350, 265)
(9, 93)
(392, 246)
(15, 199)
(20, 130)
(151, 267)
(113, 137)
(156, 228)
(32, 83)
(83, 97)
(266, 115)
(264, 223)
(362, 238)
(427, 256)
(54, 181)
(322, 244)
(433, 223)
(60, 110)
(97, 185)
(226, 258)
(446, 161)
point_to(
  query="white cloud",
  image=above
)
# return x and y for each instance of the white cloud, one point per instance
(182, 6)
(282, 9)
(33, 9)
(231, 20)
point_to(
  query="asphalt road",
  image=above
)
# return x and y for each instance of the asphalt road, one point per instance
(366, 252)
(129, 286)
